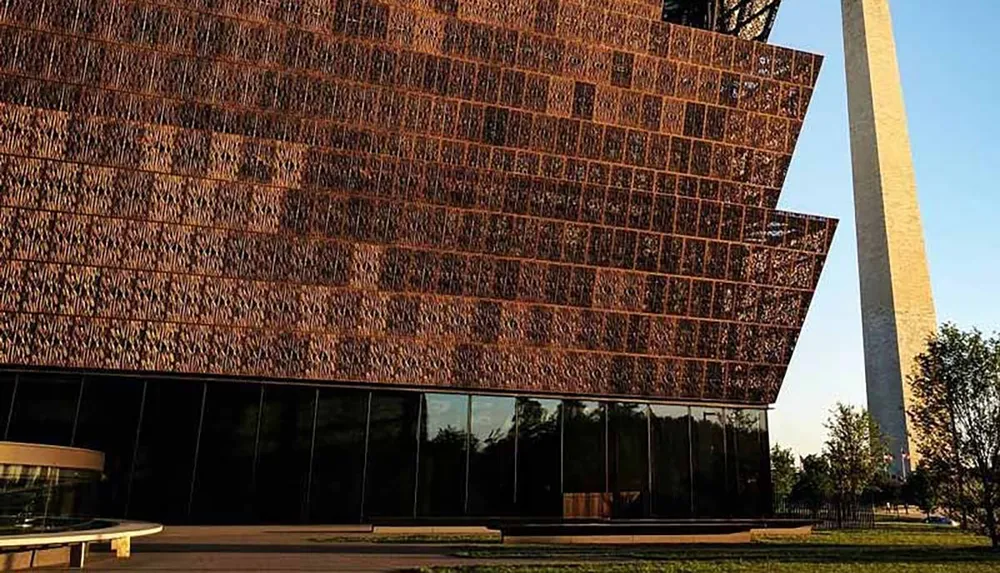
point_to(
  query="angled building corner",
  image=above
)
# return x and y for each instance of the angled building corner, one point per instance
(897, 306)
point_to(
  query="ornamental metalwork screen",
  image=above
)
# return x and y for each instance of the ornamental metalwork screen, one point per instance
(531, 195)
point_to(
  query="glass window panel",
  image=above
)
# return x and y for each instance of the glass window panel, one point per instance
(585, 477)
(694, 14)
(443, 438)
(161, 481)
(671, 465)
(392, 441)
(283, 446)
(708, 444)
(628, 455)
(583, 447)
(45, 409)
(7, 384)
(223, 491)
(108, 420)
(539, 491)
(339, 457)
(749, 458)
(491, 456)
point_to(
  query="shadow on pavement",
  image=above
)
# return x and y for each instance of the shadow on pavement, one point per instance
(342, 548)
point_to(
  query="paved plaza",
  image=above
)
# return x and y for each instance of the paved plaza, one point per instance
(275, 549)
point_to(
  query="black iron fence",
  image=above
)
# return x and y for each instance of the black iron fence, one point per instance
(855, 514)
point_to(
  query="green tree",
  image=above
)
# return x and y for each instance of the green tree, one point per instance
(956, 415)
(856, 451)
(886, 489)
(813, 487)
(783, 472)
(921, 489)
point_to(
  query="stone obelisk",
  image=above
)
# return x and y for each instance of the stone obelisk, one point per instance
(897, 307)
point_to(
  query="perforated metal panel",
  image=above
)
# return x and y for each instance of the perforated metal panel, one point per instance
(519, 195)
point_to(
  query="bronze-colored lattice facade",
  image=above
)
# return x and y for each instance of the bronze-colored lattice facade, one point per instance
(526, 195)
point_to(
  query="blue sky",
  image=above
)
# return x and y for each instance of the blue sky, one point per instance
(948, 54)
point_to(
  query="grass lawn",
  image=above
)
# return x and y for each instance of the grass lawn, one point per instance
(889, 549)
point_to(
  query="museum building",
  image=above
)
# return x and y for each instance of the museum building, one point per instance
(351, 261)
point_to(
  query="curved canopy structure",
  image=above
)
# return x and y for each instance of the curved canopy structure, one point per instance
(748, 19)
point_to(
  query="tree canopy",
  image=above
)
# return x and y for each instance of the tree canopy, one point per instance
(814, 486)
(783, 471)
(855, 449)
(956, 415)
(921, 489)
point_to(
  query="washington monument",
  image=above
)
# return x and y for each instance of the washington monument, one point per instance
(897, 307)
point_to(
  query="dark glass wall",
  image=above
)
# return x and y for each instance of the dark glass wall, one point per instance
(8, 385)
(284, 447)
(628, 459)
(45, 409)
(492, 447)
(710, 476)
(392, 447)
(749, 454)
(164, 463)
(441, 490)
(336, 488)
(670, 466)
(223, 489)
(584, 447)
(539, 455)
(107, 422)
(227, 452)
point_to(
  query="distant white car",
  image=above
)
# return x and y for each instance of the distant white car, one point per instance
(941, 520)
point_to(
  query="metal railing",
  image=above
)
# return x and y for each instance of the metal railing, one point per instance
(856, 514)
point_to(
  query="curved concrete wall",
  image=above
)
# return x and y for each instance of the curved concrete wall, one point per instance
(15, 453)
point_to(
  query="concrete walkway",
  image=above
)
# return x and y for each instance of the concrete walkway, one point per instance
(275, 549)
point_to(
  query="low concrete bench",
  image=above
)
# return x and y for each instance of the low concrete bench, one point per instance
(58, 548)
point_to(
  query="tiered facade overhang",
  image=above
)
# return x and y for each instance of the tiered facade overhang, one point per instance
(532, 196)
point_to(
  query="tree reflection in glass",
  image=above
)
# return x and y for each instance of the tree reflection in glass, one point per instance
(491, 457)
(628, 453)
(748, 456)
(539, 491)
(583, 447)
(443, 439)
(671, 463)
(708, 443)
